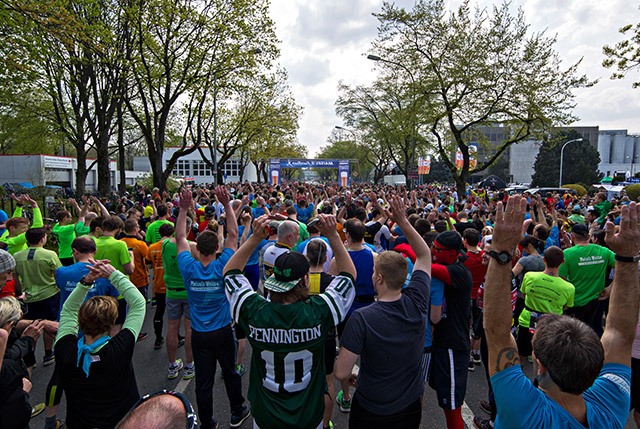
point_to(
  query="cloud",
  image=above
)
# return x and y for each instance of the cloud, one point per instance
(324, 42)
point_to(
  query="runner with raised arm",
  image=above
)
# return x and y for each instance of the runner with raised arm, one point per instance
(583, 382)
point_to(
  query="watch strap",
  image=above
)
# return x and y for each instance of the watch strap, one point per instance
(627, 258)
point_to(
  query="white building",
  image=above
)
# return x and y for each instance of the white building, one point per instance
(522, 157)
(619, 152)
(42, 169)
(193, 166)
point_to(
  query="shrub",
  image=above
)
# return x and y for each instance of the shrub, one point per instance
(633, 191)
(619, 178)
(578, 188)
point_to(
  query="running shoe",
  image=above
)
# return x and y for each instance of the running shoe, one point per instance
(142, 336)
(241, 370)
(476, 358)
(481, 423)
(471, 366)
(174, 369)
(330, 425)
(48, 359)
(236, 420)
(158, 344)
(189, 372)
(37, 409)
(180, 340)
(344, 405)
(485, 406)
(154, 303)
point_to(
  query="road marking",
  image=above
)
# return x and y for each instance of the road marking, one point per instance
(467, 415)
(182, 386)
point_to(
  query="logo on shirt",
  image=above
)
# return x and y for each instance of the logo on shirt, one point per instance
(622, 384)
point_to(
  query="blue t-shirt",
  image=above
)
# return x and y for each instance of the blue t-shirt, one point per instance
(521, 405)
(436, 297)
(68, 277)
(304, 214)
(3, 218)
(208, 304)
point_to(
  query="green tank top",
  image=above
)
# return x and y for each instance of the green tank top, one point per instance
(172, 277)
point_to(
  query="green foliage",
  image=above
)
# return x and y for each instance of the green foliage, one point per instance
(475, 68)
(633, 191)
(624, 55)
(580, 164)
(578, 188)
(173, 184)
(618, 179)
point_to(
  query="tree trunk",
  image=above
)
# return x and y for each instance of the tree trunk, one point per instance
(121, 155)
(159, 181)
(81, 171)
(104, 173)
(461, 184)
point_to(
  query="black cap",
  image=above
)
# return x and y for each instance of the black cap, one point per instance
(450, 240)
(288, 269)
(209, 211)
(580, 229)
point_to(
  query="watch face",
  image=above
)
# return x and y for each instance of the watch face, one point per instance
(504, 258)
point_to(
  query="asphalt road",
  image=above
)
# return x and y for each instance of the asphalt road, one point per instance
(151, 373)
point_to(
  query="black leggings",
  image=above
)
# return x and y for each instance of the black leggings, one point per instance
(161, 304)
(209, 348)
(54, 390)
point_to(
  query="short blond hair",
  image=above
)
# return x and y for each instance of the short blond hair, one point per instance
(393, 267)
(10, 310)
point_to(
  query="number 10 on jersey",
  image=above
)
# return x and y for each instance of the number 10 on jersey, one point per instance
(297, 371)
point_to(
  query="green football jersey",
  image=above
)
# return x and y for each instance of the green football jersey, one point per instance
(287, 382)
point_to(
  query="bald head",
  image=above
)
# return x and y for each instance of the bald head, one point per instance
(162, 411)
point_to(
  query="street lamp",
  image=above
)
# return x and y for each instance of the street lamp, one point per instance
(413, 84)
(215, 122)
(562, 157)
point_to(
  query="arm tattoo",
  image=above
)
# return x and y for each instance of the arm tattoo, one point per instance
(507, 357)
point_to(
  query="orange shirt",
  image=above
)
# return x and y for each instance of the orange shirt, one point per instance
(140, 276)
(155, 256)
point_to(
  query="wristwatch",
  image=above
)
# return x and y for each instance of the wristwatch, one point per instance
(503, 257)
(84, 281)
(635, 259)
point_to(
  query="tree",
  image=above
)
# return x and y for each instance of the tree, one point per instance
(625, 55)
(500, 168)
(580, 161)
(477, 69)
(185, 49)
(386, 112)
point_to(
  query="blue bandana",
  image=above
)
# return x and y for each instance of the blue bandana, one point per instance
(84, 352)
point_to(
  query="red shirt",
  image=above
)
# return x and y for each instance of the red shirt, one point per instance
(478, 271)
(8, 289)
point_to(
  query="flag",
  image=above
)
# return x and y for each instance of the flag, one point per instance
(459, 160)
(427, 164)
(473, 156)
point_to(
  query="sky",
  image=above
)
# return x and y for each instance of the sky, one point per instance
(327, 41)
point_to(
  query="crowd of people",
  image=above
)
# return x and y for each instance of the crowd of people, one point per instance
(383, 289)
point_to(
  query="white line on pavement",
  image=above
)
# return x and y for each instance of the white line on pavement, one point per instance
(182, 386)
(467, 415)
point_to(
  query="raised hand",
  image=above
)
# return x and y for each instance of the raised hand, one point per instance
(327, 224)
(398, 212)
(186, 200)
(627, 241)
(507, 231)
(260, 227)
(222, 195)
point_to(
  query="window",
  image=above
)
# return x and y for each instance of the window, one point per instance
(182, 168)
(232, 168)
(200, 169)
